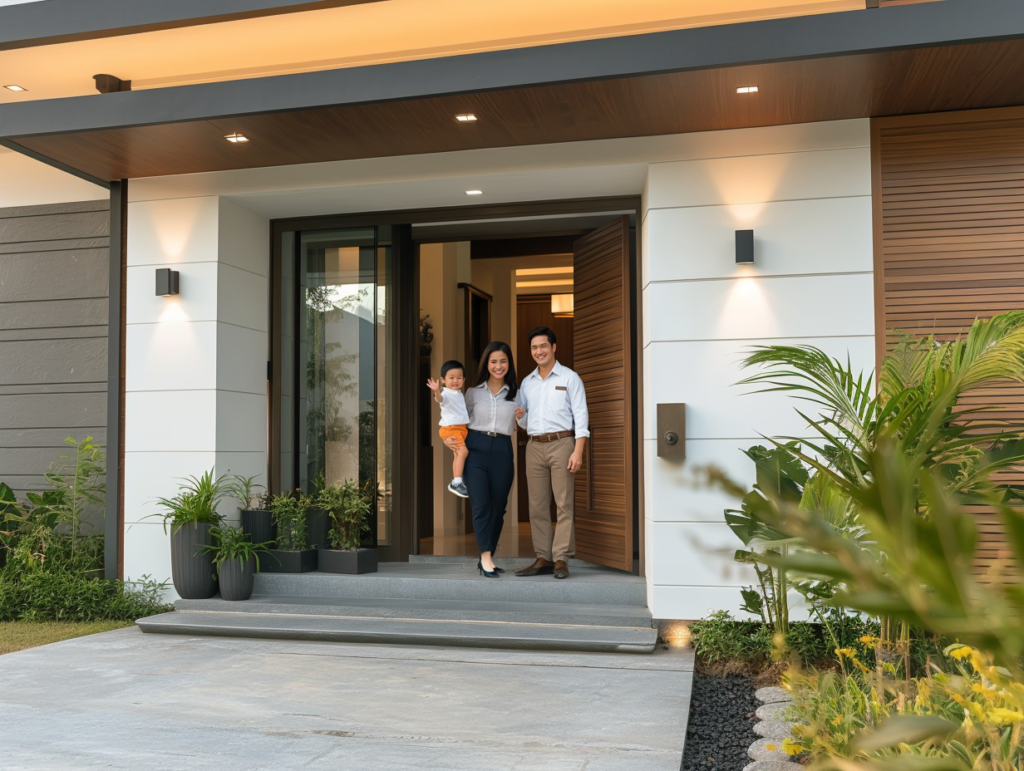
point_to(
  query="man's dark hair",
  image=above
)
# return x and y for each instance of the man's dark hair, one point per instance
(545, 331)
(451, 364)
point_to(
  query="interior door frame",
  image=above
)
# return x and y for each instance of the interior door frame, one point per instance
(406, 277)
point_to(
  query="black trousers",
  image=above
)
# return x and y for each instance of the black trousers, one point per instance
(488, 476)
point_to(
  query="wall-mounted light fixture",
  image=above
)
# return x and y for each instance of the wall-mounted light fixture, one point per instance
(744, 247)
(166, 282)
(562, 306)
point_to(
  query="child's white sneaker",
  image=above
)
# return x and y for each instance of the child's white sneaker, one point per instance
(459, 489)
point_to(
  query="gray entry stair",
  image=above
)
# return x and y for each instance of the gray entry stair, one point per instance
(431, 603)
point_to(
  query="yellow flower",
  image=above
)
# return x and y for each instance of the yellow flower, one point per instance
(961, 653)
(848, 652)
(791, 748)
(869, 640)
(1003, 716)
(770, 747)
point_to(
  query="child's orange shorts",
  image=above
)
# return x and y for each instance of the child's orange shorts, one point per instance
(458, 432)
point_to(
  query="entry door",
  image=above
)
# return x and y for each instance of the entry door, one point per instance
(603, 355)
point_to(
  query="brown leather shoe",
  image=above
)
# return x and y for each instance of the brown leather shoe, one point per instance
(561, 569)
(539, 566)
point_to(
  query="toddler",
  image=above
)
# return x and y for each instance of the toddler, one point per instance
(454, 418)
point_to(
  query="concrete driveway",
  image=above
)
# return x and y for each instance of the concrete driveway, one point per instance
(127, 700)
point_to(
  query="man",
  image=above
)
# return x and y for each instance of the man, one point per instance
(555, 417)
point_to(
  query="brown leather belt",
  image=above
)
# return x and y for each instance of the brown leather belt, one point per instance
(552, 437)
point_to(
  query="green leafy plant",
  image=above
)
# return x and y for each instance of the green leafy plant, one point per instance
(349, 507)
(233, 543)
(195, 503)
(65, 596)
(289, 512)
(246, 492)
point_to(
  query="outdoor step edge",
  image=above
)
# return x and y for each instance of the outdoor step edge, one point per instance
(621, 617)
(205, 625)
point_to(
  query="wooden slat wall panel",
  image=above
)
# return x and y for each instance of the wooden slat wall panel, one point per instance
(602, 352)
(949, 244)
(53, 334)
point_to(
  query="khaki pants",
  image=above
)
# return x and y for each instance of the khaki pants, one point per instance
(547, 473)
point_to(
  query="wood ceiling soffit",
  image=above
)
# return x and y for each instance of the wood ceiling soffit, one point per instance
(940, 79)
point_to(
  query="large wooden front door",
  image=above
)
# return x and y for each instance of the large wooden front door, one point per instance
(603, 358)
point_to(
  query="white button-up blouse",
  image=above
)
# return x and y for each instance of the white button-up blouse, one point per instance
(490, 412)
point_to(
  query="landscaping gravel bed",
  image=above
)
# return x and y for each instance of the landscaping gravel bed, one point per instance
(721, 727)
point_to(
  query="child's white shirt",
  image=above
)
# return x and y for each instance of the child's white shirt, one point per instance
(453, 408)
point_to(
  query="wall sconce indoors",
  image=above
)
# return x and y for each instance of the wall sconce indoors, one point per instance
(562, 306)
(744, 247)
(166, 282)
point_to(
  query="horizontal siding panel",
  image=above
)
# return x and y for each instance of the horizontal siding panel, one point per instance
(54, 275)
(63, 411)
(53, 361)
(54, 314)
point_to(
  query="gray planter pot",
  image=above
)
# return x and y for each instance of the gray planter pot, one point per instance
(258, 525)
(278, 561)
(192, 571)
(350, 562)
(236, 579)
(317, 522)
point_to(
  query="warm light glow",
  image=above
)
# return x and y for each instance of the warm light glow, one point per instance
(466, 118)
(544, 271)
(550, 282)
(236, 137)
(474, 192)
(746, 90)
(675, 634)
(13, 87)
(562, 306)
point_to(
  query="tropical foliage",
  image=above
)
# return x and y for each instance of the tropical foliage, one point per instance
(195, 503)
(349, 507)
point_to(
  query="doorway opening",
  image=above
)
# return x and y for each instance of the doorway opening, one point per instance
(496, 280)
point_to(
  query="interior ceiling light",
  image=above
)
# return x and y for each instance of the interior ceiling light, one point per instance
(13, 87)
(474, 192)
(746, 90)
(466, 117)
(568, 269)
(236, 137)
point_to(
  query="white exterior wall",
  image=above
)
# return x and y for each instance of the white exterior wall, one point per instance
(805, 191)
(195, 391)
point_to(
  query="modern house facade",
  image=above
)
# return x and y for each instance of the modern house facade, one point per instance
(352, 192)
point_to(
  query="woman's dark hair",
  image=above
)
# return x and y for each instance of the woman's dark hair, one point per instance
(539, 331)
(482, 374)
(451, 364)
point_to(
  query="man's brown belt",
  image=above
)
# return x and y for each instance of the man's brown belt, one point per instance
(552, 437)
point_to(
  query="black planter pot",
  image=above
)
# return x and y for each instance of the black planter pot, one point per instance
(192, 571)
(350, 562)
(236, 578)
(278, 561)
(318, 523)
(258, 525)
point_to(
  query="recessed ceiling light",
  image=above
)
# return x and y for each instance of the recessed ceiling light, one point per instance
(746, 90)
(474, 192)
(466, 117)
(13, 87)
(236, 137)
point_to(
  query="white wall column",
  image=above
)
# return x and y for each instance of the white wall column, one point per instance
(195, 392)
(805, 191)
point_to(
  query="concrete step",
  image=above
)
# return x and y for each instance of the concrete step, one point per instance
(459, 581)
(509, 563)
(477, 634)
(438, 610)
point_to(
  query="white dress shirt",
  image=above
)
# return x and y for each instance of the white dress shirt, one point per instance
(555, 403)
(491, 412)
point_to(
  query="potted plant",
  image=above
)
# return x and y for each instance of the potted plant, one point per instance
(237, 559)
(349, 509)
(253, 502)
(291, 552)
(316, 517)
(191, 515)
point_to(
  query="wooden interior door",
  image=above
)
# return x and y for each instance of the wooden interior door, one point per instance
(602, 345)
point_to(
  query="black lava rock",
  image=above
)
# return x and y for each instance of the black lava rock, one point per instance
(721, 727)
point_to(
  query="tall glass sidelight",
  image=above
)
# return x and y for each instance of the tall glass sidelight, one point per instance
(334, 347)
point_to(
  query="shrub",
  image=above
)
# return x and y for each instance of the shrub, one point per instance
(289, 511)
(66, 596)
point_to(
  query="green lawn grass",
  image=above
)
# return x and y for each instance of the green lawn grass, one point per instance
(18, 635)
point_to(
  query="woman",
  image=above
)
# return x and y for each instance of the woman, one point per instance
(489, 469)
